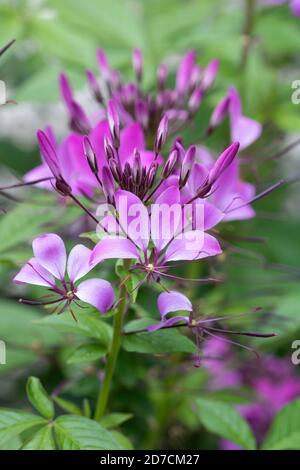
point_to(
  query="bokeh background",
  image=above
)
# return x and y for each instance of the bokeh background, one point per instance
(57, 35)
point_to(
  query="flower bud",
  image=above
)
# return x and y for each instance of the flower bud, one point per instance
(48, 153)
(108, 148)
(219, 113)
(94, 86)
(90, 155)
(114, 123)
(223, 162)
(137, 62)
(108, 185)
(195, 100)
(161, 134)
(162, 74)
(183, 76)
(142, 113)
(170, 164)
(103, 64)
(187, 165)
(115, 169)
(151, 174)
(136, 166)
(209, 74)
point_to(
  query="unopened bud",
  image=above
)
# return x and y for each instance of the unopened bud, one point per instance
(90, 155)
(170, 164)
(114, 123)
(195, 100)
(209, 74)
(137, 62)
(108, 185)
(136, 166)
(151, 174)
(162, 74)
(187, 165)
(219, 113)
(94, 86)
(108, 148)
(142, 113)
(103, 64)
(223, 162)
(161, 134)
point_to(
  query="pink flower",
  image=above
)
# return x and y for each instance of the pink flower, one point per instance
(48, 268)
(170, 302)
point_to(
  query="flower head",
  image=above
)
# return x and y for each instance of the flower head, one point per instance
(50, 268)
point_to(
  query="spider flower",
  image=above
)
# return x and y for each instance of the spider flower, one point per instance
(50, 268)
(155, 235)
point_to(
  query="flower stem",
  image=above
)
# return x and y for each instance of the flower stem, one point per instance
(248, 31)
(113, 353)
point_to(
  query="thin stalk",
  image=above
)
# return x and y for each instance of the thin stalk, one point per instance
(248, 31)
(112, 357)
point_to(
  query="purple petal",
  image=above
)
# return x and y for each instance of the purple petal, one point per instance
(192, 245)
(243, 129)
(295, 7)
(96, 292)
(50, 252)
(165, 323)
(33, 273)
(110, 248)
(132, 137)
(48, 153)
(173, 302)
(184, 72)
(131, 209)
(210, 74)
(167, 221)
(97, 140)
(66, 90)
(39, 172)
(78, 262)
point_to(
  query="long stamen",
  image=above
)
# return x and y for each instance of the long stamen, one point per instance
(28, 183)
(226, 340)
(35, 302)
(179, 278)
(242, 333)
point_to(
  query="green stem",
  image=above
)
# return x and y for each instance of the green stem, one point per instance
(112, 355)
(248, 31)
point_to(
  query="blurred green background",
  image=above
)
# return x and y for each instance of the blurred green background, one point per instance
(57, 35)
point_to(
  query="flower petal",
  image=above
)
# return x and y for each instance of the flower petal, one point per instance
(33, 273)
(173, 302)
(78, 262)
(192, 245)
(110, 248)
(50, 252)
(132, 137)
(96, 292)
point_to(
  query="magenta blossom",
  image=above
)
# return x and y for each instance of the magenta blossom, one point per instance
(170, 302)
(146, 239)
(48, 267)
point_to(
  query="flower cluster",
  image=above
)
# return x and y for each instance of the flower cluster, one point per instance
(164, 198)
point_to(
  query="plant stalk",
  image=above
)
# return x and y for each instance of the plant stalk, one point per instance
(112, 357)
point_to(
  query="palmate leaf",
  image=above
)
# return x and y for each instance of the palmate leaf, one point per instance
(80, 433)
(224, 421)
(285, 429)
(42, 440)
(39, 398)
(13, 423)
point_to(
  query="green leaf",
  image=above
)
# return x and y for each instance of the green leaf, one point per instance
(122, 440)
(80, 433)
(24, 222)
(42, 440)
(88, 324)
(13, 423)
(114, 420)
(87, 353)
(67, 405)
(158, 342)
(39, 398)
(223, 420)
(285, 429)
